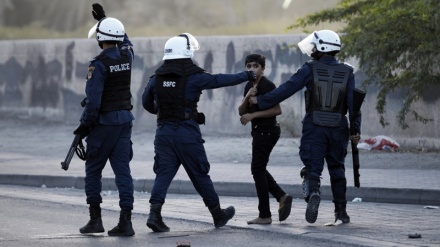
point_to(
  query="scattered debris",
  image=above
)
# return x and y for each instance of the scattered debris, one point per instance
(337, 223)
(414, 235)
(107, 193)
(357, 199)
(379, 142)
(184, 244)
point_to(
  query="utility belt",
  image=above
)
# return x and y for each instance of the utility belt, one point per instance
(199, 117)
(266, 128)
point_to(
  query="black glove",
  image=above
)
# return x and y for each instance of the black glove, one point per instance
(98, 12)
(82, 131)
(251, 75)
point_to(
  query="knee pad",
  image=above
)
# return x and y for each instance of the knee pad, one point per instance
(304, 173)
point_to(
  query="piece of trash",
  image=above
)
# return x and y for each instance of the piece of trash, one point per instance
(364, 146)
(414, 235)
(337, 223)
(107, 193)
(379, 142)
(357, 199)
(183, 244)
(431, 207)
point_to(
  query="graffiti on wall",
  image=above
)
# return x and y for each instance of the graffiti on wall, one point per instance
(31, 76)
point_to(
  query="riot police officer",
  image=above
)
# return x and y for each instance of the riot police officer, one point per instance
(172, 94)
(325, 132)
(107, 122)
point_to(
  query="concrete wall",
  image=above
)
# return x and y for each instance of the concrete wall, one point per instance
(47, 78)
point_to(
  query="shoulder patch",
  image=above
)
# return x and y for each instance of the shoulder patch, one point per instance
(90, 72)
(128, 47)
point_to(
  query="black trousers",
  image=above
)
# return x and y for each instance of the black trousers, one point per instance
(262, 145)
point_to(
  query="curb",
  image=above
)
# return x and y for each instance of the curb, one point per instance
(237, 189)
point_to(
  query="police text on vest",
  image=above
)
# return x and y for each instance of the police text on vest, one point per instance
(119, 67)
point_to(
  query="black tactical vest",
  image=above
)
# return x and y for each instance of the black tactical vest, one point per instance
(170, 88)
(116, 94)
(326, 100)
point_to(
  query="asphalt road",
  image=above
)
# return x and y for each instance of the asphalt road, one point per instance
(39, 222)
(33, 216)
(51, 217)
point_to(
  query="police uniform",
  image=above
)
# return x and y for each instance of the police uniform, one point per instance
(107, 112)
(265, 135)
(325, 131)
(178, 138)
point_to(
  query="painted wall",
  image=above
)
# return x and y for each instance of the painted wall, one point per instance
(47, 78)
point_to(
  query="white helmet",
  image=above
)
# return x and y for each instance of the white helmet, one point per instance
(181, 46)
(323, 41)
(108, 29)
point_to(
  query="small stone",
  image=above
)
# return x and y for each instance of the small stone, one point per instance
(414, 235)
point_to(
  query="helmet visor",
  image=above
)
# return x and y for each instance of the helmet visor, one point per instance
(307, 44)
(92, 30)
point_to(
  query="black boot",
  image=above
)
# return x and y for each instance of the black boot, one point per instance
(340, 211)
(155, 219)
(313, 200)
(124, 227)
(221, 216)
(95, 223)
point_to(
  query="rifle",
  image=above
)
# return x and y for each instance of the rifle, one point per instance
(76, 147)
(358, 99)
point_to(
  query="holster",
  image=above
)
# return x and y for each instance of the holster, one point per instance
(200, 118)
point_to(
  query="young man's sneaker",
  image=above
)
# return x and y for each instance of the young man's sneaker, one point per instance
(285, 207)
(261, 221)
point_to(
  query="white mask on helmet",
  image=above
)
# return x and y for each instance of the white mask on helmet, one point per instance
(321, 41)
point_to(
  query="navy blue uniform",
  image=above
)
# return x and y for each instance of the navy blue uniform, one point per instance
(110, 132)
(180, 142)
(318, 143)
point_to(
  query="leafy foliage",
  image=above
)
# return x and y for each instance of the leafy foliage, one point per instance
(396, 42)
